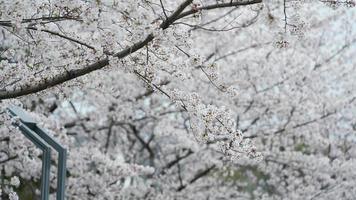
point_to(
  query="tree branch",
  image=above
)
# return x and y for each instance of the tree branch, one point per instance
(75, 73)
(199, 175)
(218, 5)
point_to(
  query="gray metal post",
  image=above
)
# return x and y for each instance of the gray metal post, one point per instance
(62, 158)
(46, 152)
(30, 128)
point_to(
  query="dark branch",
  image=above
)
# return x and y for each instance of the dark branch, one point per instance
(75, 73)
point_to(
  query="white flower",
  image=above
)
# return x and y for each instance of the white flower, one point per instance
(13, 196)
(15, 181)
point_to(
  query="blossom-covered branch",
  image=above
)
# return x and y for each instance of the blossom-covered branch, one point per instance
(29, 88)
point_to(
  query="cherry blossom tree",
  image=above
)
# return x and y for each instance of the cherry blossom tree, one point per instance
(159, 99)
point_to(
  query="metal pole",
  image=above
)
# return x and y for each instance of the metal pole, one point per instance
(30, 128)
(46, 152)
(62, 158)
